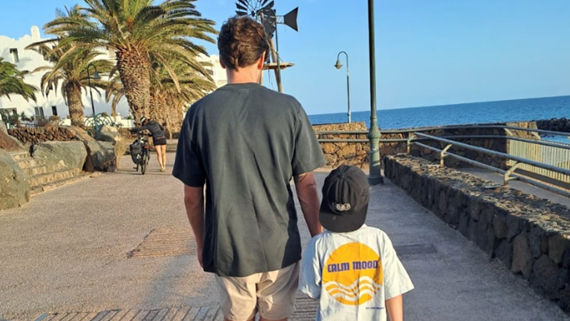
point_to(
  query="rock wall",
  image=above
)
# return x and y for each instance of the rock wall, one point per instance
(71, 155)
(42, 134)
(14, 185)
(357, 153)
(342, 153)
(554, 124)
(101, 155)
(529, 235)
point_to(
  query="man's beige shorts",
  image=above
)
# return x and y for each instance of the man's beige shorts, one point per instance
(271, 293)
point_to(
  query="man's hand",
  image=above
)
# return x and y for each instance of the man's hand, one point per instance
(194, 203)
(308, 196)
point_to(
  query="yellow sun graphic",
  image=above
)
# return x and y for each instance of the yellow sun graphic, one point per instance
(353, 274)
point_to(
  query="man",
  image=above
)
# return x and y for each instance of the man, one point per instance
(245, 142)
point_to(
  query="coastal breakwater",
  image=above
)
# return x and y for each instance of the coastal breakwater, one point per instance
(530, 236)
(554, 124)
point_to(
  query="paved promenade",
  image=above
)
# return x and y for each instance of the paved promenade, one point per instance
(119, 247)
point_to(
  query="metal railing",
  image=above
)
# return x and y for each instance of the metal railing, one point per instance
(546, 159)
(509, 174)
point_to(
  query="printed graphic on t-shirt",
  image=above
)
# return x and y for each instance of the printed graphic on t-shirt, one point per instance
(353, 274)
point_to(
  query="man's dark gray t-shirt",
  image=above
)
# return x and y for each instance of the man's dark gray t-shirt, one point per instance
(245, 142)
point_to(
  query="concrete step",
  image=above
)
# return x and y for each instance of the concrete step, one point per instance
(28, 162)
(44, 179)
(55, 184)
(20, 155)
(42, 169)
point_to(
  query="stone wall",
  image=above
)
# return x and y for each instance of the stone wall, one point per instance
(357, 153)
(8, 142)
(529, 235)
(42, 134)
(14, 185)
(341, 153)
(101, 155)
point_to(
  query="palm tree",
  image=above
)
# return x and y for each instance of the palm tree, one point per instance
(69, 71)
(168, 99)
(139, 32)
(12, 82)
(69, 67)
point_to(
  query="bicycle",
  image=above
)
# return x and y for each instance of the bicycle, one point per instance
(140, 152)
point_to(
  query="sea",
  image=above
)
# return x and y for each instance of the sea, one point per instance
(461, 114)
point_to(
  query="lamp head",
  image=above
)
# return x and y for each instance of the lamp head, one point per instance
(338, 65)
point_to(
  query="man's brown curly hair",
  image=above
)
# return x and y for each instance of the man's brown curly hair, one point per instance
(241, 42)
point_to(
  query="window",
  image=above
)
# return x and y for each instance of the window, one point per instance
(44, 54)
(8, 111)
(5, 113)
(14, 53)
(54, 110)
(39, 112)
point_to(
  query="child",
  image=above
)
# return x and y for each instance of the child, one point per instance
(352, 268)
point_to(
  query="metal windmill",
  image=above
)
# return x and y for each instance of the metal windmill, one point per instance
(262, 11)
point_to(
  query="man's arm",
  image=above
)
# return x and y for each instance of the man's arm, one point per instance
(395, 308)
(194, 203)
(308, 196)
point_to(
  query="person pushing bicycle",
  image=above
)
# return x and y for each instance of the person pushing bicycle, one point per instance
(158, 138)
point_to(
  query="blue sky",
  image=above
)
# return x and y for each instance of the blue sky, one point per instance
(432, 52)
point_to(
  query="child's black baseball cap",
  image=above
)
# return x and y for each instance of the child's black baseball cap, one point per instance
(346, 194)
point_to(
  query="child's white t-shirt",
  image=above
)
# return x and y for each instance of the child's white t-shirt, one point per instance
(352, 274)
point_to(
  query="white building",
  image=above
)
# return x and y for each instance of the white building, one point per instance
(13, 50)
(215, 69)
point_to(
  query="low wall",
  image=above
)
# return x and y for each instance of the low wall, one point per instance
(42, 134)
(529, 235)
(342, 153)
(357, 154)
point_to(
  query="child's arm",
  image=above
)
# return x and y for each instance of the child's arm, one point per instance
(395, 308)
(396, 280)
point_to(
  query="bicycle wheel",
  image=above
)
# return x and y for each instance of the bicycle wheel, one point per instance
(144, 163)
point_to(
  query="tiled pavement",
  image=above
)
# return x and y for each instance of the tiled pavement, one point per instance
(305, 311)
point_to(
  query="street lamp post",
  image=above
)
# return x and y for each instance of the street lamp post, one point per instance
(338, 65)
(95, 76)
(375, 176)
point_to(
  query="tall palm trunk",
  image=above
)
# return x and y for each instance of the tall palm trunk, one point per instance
(157, 106)
(134, 67)
(75, 105)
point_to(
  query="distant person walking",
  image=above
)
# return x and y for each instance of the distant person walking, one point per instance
(244, 143)
(158, 139)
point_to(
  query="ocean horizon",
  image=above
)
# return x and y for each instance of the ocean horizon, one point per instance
(516, 110)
